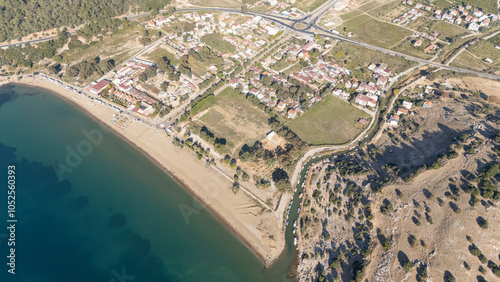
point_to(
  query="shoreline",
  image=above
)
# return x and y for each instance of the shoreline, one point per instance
(236, 228)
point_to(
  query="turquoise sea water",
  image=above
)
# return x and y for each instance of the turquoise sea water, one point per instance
(102, 211)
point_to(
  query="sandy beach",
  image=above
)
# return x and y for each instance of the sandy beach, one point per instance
(260, 230)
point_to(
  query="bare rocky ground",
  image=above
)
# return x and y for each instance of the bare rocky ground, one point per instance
(412, 206)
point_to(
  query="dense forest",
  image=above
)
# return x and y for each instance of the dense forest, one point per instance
(23, 17)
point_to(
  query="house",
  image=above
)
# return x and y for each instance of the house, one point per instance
(418, 43)
(394, 120)
(363, 121)
(427, 104)
(271, 104)
(364, 100)
(98, 87)
(382, 80)
(473, 27)
(337, 92)
(407, 105)
(254, 91)
(151, 23)
(429, 48)
(234, 83)
(292, 113)
(281, 106)
(402, 111)
(161, 21)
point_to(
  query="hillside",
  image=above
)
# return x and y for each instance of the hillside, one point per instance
(19, 18)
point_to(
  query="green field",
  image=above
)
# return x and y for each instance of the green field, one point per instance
(369, 6)
(357, 57)
(350, 15)
(407, 47)
(447, 30)
(489, 6)
(385, 9)
(486, 49)
(217, 42)
(158, 53)
(233, 117)
(374, 32)
(467, 61)
(495, 40)
(332, 121)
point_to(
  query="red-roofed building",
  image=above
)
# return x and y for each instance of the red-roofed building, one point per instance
(364, 100)
(98, 87)
(402, 111)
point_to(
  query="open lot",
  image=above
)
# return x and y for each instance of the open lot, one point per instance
(308, 5)
(406, 46)
(119, 46)
(486, 49)
(159, 52)
(358, 57)
(468, 61)
(332, 121)
(217, 3)
(447, 30)
(374, 32)
(231, 116)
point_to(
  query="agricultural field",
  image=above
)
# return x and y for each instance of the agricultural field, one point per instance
(369, 6)
(388, 11)
(374, 32)
(488, 6)
(332, 121)
(231, 116)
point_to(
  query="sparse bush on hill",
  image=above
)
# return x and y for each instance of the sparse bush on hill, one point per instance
(408, 266)
(483, 223)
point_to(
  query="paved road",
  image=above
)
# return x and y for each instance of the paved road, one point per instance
(310, 22)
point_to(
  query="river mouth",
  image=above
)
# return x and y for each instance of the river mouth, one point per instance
(115, 212)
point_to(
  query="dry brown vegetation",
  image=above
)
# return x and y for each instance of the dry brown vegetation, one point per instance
(414, 205)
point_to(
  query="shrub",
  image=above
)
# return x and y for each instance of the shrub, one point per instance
(467, 266)
(408, 266)
(413, 241)
(483, 223)
(474, 250)
(387, 245)
(483, 259)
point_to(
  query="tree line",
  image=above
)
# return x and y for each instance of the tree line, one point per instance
(22, 17)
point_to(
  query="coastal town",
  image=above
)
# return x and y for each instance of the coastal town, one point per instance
(304, 121)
